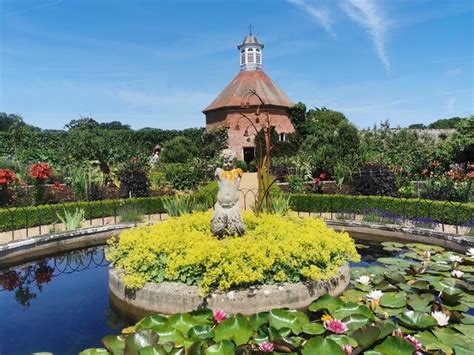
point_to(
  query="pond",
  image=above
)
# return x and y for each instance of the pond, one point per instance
(61, 304)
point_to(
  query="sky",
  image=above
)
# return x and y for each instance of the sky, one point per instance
(160, 63)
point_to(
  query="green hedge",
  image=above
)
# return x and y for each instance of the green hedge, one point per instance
(456, 213)
(18, 218)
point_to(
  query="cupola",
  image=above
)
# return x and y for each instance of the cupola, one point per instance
(250, 53)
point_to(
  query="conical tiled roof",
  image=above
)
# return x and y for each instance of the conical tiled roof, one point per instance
(240, 86)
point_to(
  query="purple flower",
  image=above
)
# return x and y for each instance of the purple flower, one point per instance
(347, 349)
(266, 347)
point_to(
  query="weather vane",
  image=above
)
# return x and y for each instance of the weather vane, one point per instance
(250, 28)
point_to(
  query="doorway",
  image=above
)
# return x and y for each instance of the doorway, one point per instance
(249, 154)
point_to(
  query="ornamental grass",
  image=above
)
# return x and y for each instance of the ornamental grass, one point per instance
(275, 249)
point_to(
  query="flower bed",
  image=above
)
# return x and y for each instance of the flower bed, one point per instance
(274, 250)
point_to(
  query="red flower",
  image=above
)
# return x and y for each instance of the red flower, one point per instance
(58, 187)
(6, 177)
(435, 164)
(41, 171)
(317, 180)
(10, 280)
(43, 274)
(322, 176)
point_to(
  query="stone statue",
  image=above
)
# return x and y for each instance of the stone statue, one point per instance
(227, 219)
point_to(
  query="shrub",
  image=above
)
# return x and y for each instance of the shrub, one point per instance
(295, 183)
(240, 164)
(134, 180)
(180, 205)
(441, 212)
(179, 150)
(275, 249)
(27, 217)
(446, 189)
(374, 180)
(182, 176)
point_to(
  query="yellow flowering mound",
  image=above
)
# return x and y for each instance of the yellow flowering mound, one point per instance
(274, 249)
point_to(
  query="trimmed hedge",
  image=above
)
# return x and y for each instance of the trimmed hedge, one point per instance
(27, 217)
(446, 212)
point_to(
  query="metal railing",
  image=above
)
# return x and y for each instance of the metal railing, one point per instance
(454, 217)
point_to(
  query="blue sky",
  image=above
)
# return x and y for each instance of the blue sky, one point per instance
(159, 63)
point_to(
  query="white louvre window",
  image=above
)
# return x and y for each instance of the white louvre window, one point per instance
(258, 58)
(242, 59)
(250, 57)
(282, 137)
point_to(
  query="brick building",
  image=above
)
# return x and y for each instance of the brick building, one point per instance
(224, 110)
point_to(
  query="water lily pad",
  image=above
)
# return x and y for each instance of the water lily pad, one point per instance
(320, 345)
(466, 329)
(420, 303)
(280, 318)
(350, 308)
(342, 340)
(224, 347)
(395, 277)
(356, 321)
(393, 244)
(313, 328)
(151, 321)
(201, 332)
(325, 302)
(152, 350)
(182, 322)
(352, 295)
(386, 328)
(467, 319)
(98, 351)
(168, 334)
(235, 328)
(417, 320)
(393, 300)
(114, 343)
(430, 342)
(450, 337)
(401, 263)
(140, 339)
(366, 336)
(257, 319)
(395, 346)
(425, 247)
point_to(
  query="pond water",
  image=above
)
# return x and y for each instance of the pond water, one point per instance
(61, 304)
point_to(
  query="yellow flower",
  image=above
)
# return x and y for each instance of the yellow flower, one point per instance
(326, 317)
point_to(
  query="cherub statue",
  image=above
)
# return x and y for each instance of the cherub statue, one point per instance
(227, 219)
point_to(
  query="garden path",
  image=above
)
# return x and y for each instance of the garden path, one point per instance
(248, 188)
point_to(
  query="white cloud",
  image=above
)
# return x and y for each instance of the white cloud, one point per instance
(455, 71)
(367, 14)
(321, 15)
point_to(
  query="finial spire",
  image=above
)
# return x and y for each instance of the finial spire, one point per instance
(250, 28)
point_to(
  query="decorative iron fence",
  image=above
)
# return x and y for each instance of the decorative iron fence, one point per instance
(454, 217)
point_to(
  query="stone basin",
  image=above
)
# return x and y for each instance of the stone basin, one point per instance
(174, 297)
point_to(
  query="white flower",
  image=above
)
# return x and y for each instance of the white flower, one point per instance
(457, 273)
(364, 280)
(456, 259)
(440, 317)
(470, 252)
(374, 295)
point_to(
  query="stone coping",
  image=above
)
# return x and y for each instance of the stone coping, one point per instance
(36, 247)
(394, 232)
(174, 297)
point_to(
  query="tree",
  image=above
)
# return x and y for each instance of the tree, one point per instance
(179, 150)
(114, 125)
(82, 123)
(417, 126)
(297, 114)
(446, 123)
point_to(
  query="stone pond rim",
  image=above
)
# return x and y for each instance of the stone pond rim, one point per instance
(174, 297)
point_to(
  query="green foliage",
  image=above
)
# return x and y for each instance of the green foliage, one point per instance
(182, 176)
(274, 249)
(130, 213)
(180, 205)
(214, 141)
(445, 123)
(440, 211)
(72, 221)
(179, 150)
(444, 188)
(296, 183)
(18, 218)
(280, 204)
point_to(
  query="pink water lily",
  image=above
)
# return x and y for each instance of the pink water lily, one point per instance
(266, 347)
(347, 349)
(336, 326)
(413, 341)
(219, 316)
